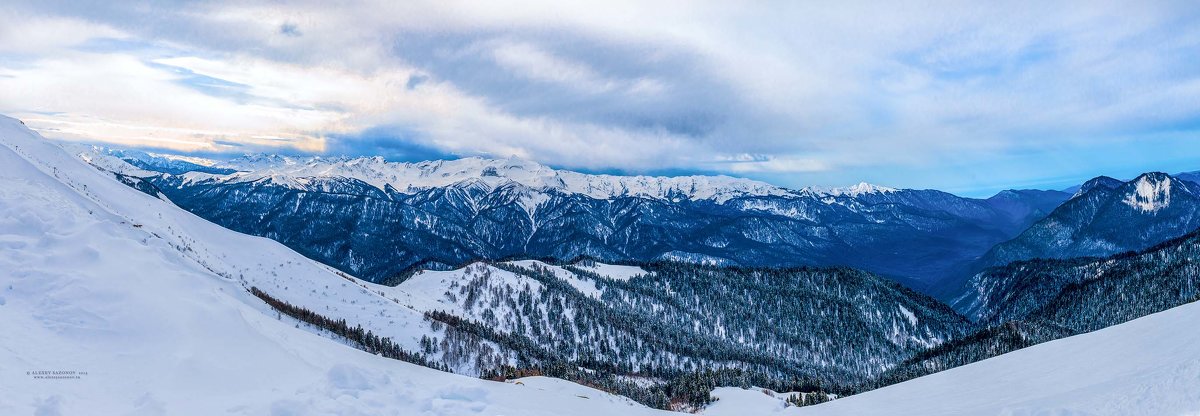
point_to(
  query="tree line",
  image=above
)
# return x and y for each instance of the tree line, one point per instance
(360, 338)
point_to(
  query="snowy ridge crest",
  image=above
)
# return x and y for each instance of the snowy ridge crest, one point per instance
(1152, 192)
(862, 188)
(470, 172)
(474, 171)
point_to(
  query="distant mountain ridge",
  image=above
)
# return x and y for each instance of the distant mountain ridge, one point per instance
(1065, 291)
(155, 162)
(1108, 216)
(379, 219)
(410, 178)
(1105, 217)
(1030, 302)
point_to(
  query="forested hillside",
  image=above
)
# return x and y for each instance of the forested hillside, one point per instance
(677, 325)
(1030, 302)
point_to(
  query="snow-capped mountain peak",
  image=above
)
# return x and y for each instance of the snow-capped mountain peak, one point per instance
(464, 173)
(1152, 192)
(256, 161)
(139, 163)
(862, 188)
(416, 176)
(1098, 182)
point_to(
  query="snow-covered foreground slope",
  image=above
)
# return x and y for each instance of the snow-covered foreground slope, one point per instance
(1148, 366)
(146, 304)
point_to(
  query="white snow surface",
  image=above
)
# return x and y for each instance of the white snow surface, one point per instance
(753, 401)
(190, 159)
(1148, 366)
(87, 152)
(614, 271)
(912, 319)
(583, 284)
(861, 188)
(425, 290)
(1150, 194)
(103, 158)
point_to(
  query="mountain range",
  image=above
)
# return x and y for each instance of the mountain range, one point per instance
(1108, 216)
(383, 220)
(1105, 217)
(451, 213)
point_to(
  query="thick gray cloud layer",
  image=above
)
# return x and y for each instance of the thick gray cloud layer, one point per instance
(921, 94)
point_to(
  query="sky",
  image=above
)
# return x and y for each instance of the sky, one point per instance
(965, 97)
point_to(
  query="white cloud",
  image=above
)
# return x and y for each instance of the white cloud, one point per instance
(119, 98)
(813, 87)
(773, 164)
(31, 34)
(527, 60)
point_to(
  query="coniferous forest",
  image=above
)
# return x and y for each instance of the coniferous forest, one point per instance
(1042, 300)
(668, 337)
(356, 335)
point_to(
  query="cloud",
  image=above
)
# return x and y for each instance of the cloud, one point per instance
(290, 29)
(919, 94)
(526, 60)
(120, 98)
(391, 142)
(747, 163)
(22, 33)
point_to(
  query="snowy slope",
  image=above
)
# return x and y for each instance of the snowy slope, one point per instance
(245, 260)
(1148, 366)
(426, 290)
(149, 302)
(613, 271)
(1107, 217)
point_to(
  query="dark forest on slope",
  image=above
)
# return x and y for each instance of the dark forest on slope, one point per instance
(1037, 301)
(811, 328)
